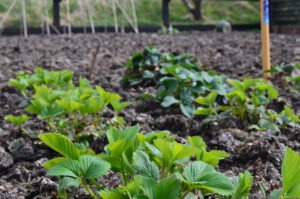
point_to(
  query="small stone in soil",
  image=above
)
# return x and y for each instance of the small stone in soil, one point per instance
(6, 159)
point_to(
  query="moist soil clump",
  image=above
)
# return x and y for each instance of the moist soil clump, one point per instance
(236, 55)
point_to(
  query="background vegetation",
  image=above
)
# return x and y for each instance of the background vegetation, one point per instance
(148, 12)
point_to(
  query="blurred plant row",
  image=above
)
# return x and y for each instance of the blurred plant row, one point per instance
(152, 165)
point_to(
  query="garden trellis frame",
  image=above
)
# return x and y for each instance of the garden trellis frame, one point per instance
(275, 17)
(56, 26)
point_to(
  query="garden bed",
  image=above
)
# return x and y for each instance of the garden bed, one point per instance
(236, 55)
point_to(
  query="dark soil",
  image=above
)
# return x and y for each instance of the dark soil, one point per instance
(236, 55)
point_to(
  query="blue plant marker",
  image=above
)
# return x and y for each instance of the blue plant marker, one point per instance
(266, 12)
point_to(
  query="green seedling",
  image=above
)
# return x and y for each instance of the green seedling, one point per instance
(76, 168)
(201, 176)
(119, 151)
(248, 101)
(210, 108)
(56, 79)
(210, 157)
(242, 186)
(290, 172)
(75, 111)
(178, 78)
(19, 121)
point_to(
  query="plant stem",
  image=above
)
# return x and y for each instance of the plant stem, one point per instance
(52, 125)
(123, 174)
(26, 132)
(88, 189)
(184, 194)
(94, 182)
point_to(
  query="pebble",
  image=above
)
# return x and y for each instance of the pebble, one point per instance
(297, 51)
(6, 159)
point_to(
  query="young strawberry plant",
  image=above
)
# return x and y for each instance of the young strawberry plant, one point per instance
(156, 166)
(77, 167)
(248, 100)
(73, 110)
(178, 79)
(150, 166)
(290, 172)
(289, 75)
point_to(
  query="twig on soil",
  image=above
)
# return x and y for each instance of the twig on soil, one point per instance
(94, 60)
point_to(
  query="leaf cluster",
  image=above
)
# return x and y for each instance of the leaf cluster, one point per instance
(178, 78)
(290, 173)
(151, 166)
(248, 100)
(180, 82)
(69, 109)
(289, 75)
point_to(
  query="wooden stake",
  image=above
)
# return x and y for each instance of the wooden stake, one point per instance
(265, 37)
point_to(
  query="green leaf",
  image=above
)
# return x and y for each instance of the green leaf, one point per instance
(69, 168)
(272, 93)
(290, 113)
(242, 186)
(188, 110)
(171, 153)
(17, 120)
(61, 144)
(166, 189)
(170, 84)
(68, 182)
(118, 106)
(275, 194)
(236, 84)
(290, 172)
(169, 101)
(148, 74)
(268, 125)
(93, 167)
(204, 177)
(68, 105)
(208, 100)
(203, 111)
(114, 194)
(212, 157)
(144, 166)
(20, 84)
(107, 97)
(51, 163)
(130, 191)
(238, 95)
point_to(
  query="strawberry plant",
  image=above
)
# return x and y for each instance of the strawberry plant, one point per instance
(77, 167)
(178, 79)
(25, 82)
(150, 166)
(289, 74)
(248, 100)
(69, 109)
(290, 172)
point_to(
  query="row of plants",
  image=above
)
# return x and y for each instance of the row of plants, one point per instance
(181, 82)
(152, 165)
(155, 166)
(73, 110)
